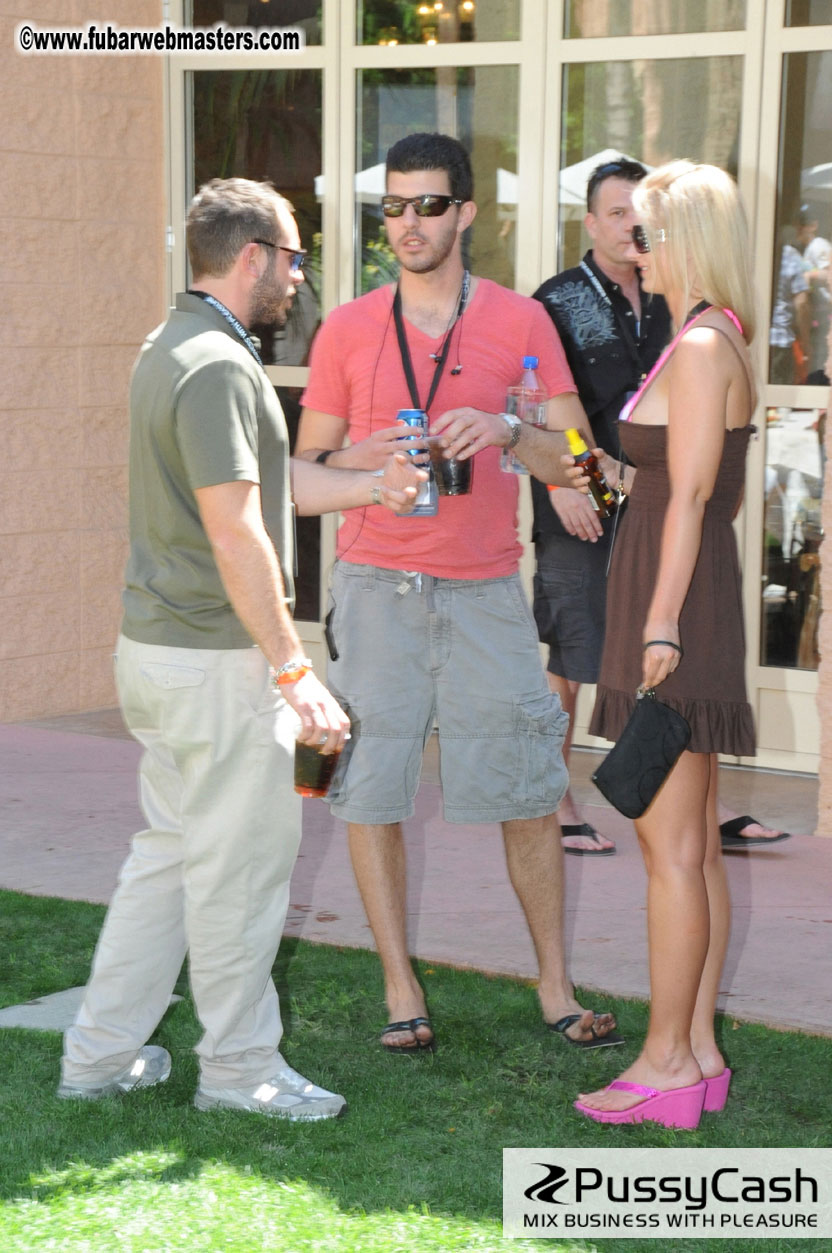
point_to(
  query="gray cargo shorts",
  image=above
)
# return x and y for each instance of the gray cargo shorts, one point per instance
(412, 649)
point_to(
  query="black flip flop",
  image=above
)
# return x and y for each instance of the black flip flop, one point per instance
(420, 1046)
(596, 1042)
(730, 834)
(584, 828)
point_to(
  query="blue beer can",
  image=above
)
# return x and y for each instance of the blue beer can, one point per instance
(413, 417)
(427, 502)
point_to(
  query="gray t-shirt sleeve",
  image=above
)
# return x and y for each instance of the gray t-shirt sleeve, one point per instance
(216, 425)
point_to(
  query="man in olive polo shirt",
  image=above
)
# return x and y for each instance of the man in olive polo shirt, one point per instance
(207, 627)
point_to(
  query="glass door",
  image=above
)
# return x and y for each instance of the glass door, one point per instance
(539, 90)
(784, 530)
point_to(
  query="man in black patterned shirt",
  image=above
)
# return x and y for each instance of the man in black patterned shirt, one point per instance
(612, 336)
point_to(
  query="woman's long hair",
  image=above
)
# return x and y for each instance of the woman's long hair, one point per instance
(706, 243)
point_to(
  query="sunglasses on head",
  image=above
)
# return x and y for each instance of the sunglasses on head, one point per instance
(640, 241)
(297, 255)
(427, 206)
(604, 171)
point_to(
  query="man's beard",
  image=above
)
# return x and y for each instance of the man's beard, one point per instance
(439, 252)
(269, 305)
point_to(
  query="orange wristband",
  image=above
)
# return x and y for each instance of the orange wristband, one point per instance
(291, 676)
(292, 671)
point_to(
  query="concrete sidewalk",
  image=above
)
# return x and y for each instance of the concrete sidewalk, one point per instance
(68, 805)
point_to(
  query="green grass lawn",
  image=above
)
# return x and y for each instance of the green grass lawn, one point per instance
(416, 1163)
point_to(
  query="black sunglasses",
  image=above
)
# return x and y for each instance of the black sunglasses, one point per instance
(427, 206)
(640, 241)
(298, 255)
(604, 171)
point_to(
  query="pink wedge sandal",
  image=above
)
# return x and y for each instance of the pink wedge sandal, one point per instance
(677, 1107)
(716, 1092)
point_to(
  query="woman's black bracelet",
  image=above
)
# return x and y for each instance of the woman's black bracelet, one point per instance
(667, 643)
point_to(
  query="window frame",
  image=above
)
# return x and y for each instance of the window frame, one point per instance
(779, 696)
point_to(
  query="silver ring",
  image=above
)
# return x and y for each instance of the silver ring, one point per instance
(323, 740)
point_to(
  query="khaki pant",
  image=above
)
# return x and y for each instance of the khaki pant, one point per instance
(210, 874)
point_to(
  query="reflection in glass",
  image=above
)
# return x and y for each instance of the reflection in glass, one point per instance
(792, 536)
(597, 19)
(391, 22)
(307, 529)
(267, 124)
(808, 13)
(801, 303)
(642, 109)
(476, 105)
(303, 13)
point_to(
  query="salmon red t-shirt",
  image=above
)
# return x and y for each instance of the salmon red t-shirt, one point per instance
(356, 374)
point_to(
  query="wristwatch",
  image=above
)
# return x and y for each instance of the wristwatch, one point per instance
(291, 671)
(515, 425)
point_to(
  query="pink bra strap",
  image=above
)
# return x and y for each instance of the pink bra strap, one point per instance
(737, 323)
(627, 411)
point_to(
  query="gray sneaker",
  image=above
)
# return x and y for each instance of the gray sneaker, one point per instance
(151, 1066)
(285, 1095)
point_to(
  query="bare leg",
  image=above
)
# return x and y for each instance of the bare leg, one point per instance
(703, 1043)
(567, 690)
(378, 860)
(535, 865)
(672, 835)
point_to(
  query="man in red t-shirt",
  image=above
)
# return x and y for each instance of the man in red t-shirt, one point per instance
(428, 620)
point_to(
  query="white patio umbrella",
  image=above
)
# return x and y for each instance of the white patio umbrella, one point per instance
(370, 185)
(817, 180)
(574, 178)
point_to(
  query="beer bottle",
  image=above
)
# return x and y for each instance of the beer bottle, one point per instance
(602, 497)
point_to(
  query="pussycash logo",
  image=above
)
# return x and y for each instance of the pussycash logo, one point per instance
(695, 1192)
(545, 1189)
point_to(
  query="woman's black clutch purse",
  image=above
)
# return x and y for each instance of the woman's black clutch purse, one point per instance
(647, 750)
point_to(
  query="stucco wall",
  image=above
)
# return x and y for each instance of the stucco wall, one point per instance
(81, 282)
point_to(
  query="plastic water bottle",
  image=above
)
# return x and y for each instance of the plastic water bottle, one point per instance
(526, 400)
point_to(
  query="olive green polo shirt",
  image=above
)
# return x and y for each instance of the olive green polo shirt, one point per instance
(202, 412)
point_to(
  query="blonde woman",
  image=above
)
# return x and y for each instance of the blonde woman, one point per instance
(674, 595)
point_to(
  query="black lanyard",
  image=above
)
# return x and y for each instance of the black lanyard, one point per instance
(233, 322)
(237, 326)
(404, 349)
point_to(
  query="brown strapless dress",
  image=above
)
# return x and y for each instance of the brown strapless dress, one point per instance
(708, 687)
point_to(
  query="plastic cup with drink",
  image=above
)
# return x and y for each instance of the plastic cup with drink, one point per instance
(453, 476)
(314, 770)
